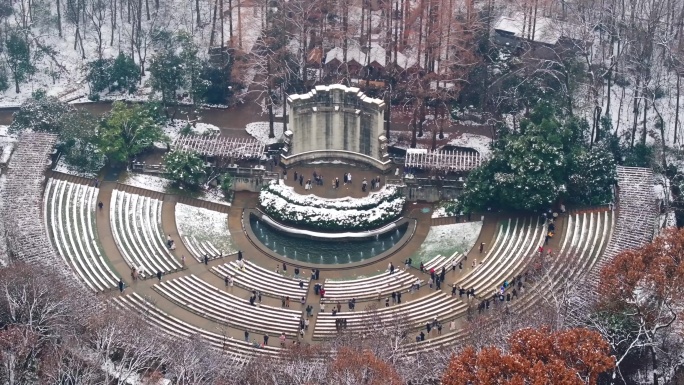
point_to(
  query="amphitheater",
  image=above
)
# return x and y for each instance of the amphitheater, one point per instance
(53, 220)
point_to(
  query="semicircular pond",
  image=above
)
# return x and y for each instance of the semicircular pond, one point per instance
(324, 251)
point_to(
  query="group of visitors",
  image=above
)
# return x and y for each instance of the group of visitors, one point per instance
(303, 326)
(435, 325)
(170, 243)
(319, 290)
(256, 295)
(396, 298)
(375, 183)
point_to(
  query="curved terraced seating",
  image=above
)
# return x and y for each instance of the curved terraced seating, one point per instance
(176, 328)
(442, 261)
(255, 277)
(414, 313)
(199, 249)
(584, 241)
(69, 212)
(209, 302)
(512, 251)
(369, 288)
(136, 227)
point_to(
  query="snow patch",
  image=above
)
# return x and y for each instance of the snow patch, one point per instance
(65, 168)
(479, 143)
(163, 185)
(205, 226)
(259, 131)
(448, 239)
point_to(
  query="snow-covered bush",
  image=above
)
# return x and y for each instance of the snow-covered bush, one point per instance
(185, 168)
(347, 203)
(330, 219)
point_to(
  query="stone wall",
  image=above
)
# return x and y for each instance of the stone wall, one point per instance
(335, 117)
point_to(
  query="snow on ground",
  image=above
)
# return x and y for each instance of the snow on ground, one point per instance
(205, 226)
(66, 168)
(62, 73)
(146, 181)
(479, 143)
(439, 212)
(164, 185)
(259, 130)
(447, 240)
(173, 129)
(7, 143)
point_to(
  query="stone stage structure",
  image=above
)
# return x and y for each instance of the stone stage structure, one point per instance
(335, 120)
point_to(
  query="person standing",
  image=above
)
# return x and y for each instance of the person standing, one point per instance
(121, 285)
(265, 339)
(206, 259)
(246, 336)
(481, 247)
(100, 205)
(183, 260)
(282, 340)
(159, 275)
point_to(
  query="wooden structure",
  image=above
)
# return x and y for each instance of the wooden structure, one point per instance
(220, 146)
(442, 161)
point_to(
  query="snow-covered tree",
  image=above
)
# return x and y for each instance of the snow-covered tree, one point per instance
(40, 113)
(185, 168)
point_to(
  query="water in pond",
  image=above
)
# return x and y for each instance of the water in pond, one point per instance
(326, 252)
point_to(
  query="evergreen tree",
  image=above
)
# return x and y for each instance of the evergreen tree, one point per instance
(125, 74)
(128, 131)
(40, 113)
(185, 168)
(18, 58)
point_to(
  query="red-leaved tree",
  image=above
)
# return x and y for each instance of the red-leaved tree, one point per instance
(535, 356)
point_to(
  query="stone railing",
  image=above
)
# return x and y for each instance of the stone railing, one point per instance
(382, 165)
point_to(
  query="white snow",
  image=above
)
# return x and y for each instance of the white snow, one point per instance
(479, 143)
(65, 168)
(173, 129)
(205, 226)
(64, 77)
(146, 181)
(346, 218)
(344, 203)
(448, 239)
(163, 185)
(259, 131)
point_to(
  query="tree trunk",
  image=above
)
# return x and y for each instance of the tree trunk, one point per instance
(222, 38)
(230, 22)
(413, 127)
(269, 101)
(239, 12)
(635, 110)
(59, 18)
(643, 131)
(213, 24)
(676, 122)
(284, 108)
(421, 118)
(388, 113)
(147, 9)
(197, 8)
(16, 84)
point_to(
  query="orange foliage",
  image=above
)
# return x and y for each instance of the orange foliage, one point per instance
(648, 275)
(570, 357)
(362, 367)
